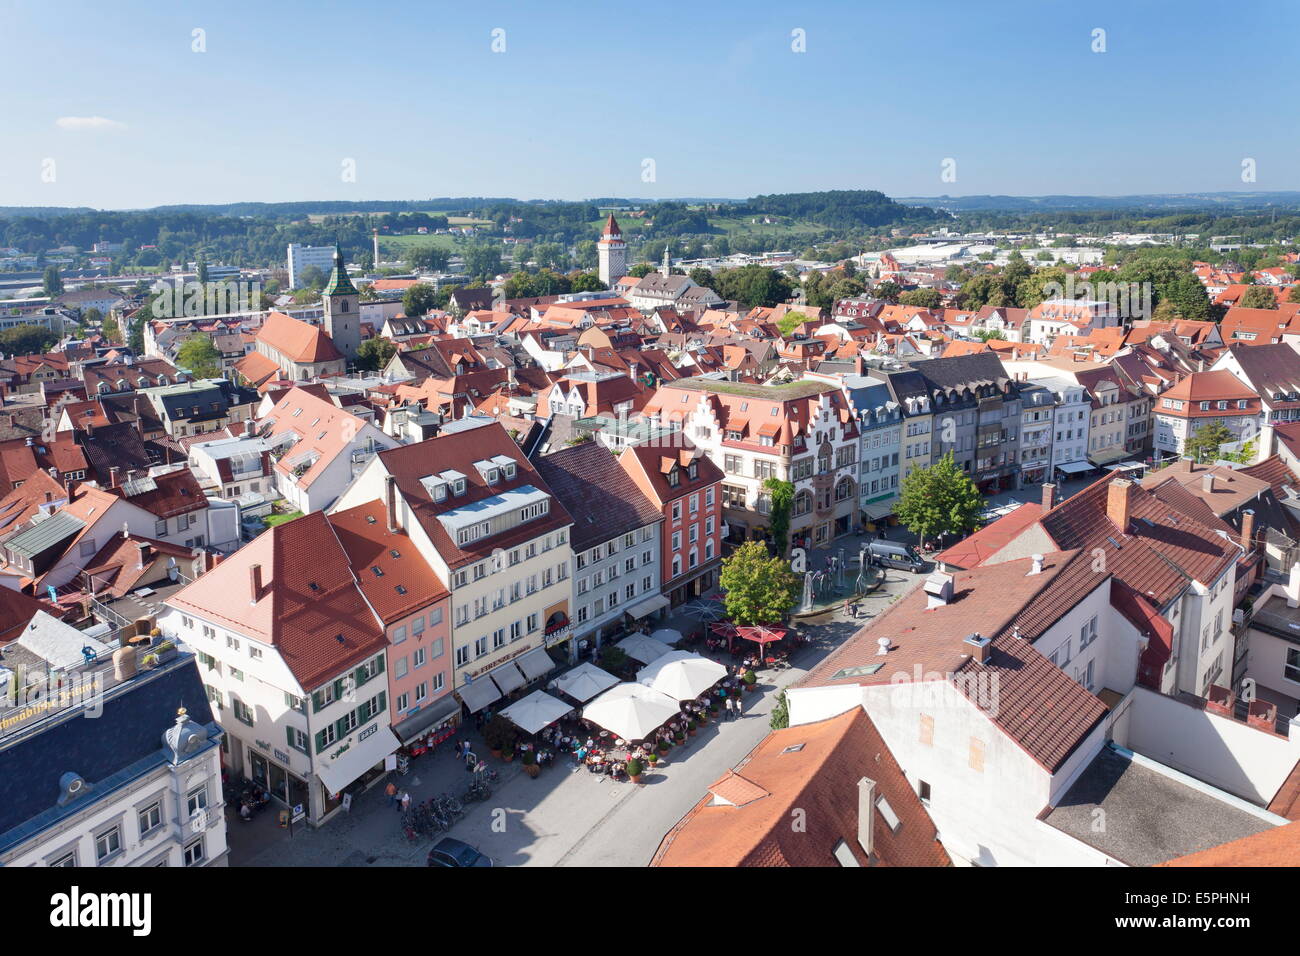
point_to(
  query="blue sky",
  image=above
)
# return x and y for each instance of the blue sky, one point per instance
(584, 92)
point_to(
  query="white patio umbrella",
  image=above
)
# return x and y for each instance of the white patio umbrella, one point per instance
(705, 609)
(631, 711)
(539, 709)
(681, 675)
(643, 648)
(667, 635)
(584, 682)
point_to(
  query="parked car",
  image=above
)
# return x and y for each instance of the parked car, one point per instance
(452, 852)
(891, 554)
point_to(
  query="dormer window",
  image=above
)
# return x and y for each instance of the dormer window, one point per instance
(692, 470)
(674, 477)
(459, 487)
(440, 493)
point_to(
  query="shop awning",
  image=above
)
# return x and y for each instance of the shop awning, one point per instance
(584, 682)
(648, 606)
(1106, 458)
(363, 754)
(507, 677)
(535, 664)
(1075, 467)
(425, 718)
(478, 694)
(879, 509)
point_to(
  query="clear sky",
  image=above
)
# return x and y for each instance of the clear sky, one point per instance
(111, 101)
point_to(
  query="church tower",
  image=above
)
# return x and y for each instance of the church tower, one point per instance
(612, 253)
(342, 310)
(667, 269)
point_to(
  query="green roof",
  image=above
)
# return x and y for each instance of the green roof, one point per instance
(339, 283)
(44, 534)
(773, 393)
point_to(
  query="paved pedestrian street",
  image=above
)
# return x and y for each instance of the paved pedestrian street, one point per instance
(564, 817)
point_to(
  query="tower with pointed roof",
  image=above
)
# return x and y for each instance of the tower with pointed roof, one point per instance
(612, 253)
(667, 268)
(342, 310)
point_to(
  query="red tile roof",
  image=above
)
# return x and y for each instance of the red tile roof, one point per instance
(993, 537)
(820, 778)
(296, 340)
(1038, 706)
(363, 533)
(1279, 846)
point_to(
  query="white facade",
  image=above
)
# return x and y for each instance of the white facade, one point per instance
(301, 256)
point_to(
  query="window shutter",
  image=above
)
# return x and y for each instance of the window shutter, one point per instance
(379, 661)
(288, 733)
(320, 741)
(383, 696)
(316, 702)
(338, 689)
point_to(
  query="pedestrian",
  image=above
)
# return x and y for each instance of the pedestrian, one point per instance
(391, 790)
(406, 801)
(737, 705)
(727, 704)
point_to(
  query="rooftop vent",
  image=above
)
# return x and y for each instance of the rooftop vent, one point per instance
(939, 588)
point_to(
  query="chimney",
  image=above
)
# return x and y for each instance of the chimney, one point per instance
(1037, 566)
(866, 813)
(859, 366)
(142, 553)
(1049, 495)
(390, 502)
(255, 583)
(1248, 530)
(1118, 496)
(1207, 482)
(979, 647)
(112, 476)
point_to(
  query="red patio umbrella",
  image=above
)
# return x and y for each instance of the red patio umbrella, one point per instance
(761, 634)
(724, 629)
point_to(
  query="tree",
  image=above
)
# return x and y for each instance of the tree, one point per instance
(641, 269)
(373, 354)
(924, 298)
(985, 334)
(702, 277)
(427, 258)
(418, 299)
(940, 499)
(26, 340)
(1246, 456)
(759, 588)
(586, 282)
(92, 317)
(311, 278)
(200, 356)
(482, 259)
(753, 285)
(1258, 297)
(202, 272)
(51, 283)
(887, 290)
(782, 495)
(1294, 295)
(1205, 441)
(111, 330)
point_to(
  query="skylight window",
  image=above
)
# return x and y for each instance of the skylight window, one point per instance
(401, 589)
(378, 571)
(394, 553)
(794, 748)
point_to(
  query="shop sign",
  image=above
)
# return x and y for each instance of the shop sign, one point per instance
(367, 732)
(281, 756)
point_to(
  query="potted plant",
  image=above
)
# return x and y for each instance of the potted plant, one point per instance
(750, 679)
(678, 737)
(662, 746)
(165, 651)
(634, 769)
(691, 726)
(713, 706)
(508, 752)
(652, 759)
(150, 660)
(499, 734)
(529, 760)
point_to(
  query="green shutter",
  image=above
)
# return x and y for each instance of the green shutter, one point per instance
(380, 661)
(288, 733)
(320, 741)
(338, 689)
(359, 676)
(316, 702)
(382, 698)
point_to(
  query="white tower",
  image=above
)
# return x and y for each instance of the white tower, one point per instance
(667, 268)
(612, 253)
(376, 255)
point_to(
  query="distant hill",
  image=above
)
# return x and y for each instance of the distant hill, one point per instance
(1224, 202)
